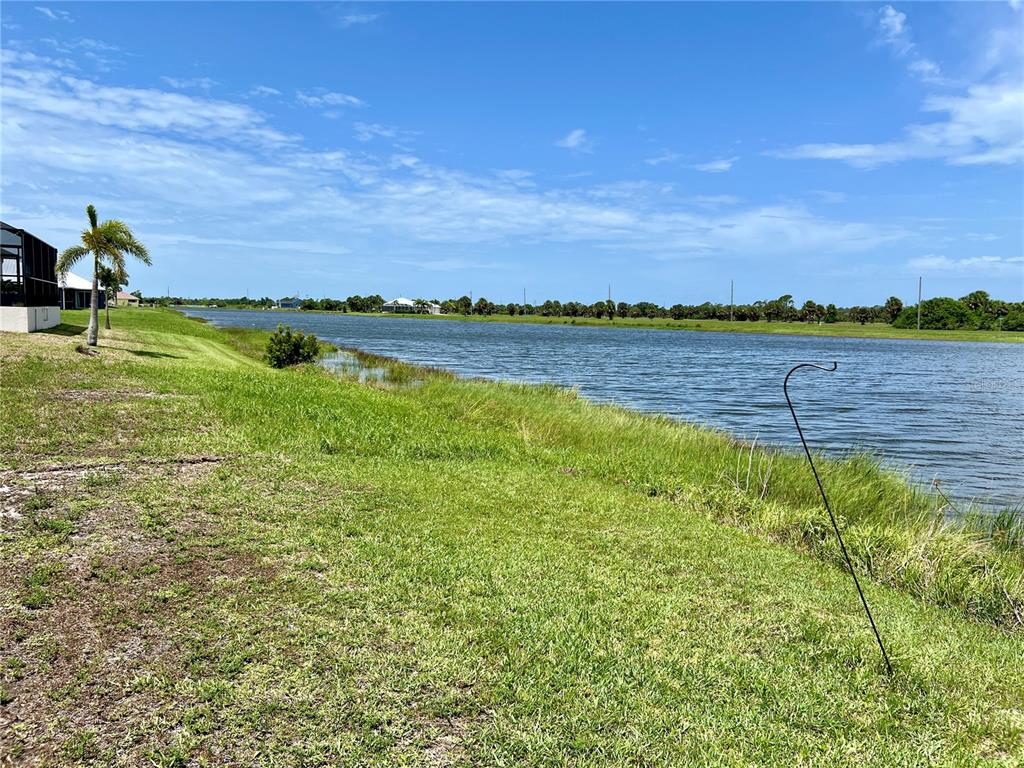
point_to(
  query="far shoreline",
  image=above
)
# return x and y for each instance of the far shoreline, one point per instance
(824, 330)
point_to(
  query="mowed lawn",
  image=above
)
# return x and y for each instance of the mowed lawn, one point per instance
(210, 562)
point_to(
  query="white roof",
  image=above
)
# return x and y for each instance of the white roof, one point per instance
(401, 301)
(71, 280)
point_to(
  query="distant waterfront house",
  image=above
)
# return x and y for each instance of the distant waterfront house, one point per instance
(29, 299)
(402, 304)
(76, 292)
(125, 300)
(289, 302)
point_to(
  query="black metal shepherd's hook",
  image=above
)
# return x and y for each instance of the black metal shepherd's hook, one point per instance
(828, 507)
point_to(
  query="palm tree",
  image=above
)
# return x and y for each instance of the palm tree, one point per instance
(112, 281)
(108, 243)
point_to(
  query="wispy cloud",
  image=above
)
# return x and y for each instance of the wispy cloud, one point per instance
(184, 83)
(516, 176)
(716, 166)
(977, 265)
(450, 264)
(101, 55)
(664, 157)
(220, 166)
(892, 30)
(263, 91)
(715, 201)
(54, 15)
(321, 98)
(576, 140)
(351, 19)
(370, 131)
(894, 33)
(983, 127)
(45, 91)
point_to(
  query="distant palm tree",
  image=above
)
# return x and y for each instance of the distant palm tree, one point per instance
(108, 243)
(112, 282)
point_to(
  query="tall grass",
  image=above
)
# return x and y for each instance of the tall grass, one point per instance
(896, 532)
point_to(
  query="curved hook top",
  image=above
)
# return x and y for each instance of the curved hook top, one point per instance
(833, 369)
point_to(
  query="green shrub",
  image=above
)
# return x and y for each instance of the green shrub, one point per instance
(1014, 320)
(942, 314)
(287, 347)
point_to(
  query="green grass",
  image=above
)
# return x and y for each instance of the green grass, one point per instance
(851, 330)
(467, 573)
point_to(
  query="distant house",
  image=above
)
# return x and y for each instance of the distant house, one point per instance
(125, 300)
(402, 304)
(76, 292)
(289, 302)
(29, 299)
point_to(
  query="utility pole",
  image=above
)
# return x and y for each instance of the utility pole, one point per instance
(524, 296)
(731, 298)
(919, 303)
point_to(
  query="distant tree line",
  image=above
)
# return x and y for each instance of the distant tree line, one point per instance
(976, 310)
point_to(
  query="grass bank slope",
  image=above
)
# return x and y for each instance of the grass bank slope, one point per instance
(211, 562)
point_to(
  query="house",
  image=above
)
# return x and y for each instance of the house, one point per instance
(402, 304)
(289, 302)
(123, 299)
(76, 292)
(29, 299)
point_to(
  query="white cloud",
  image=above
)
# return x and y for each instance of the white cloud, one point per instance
(892, 29)
(370, 131)
(982, 127)
(977, 265)
(263, 91)
(101, 55)
(894, 32)
(450, 264)
(716, 166)
(53, 15)
(714, 201)
(665, 157)
(351, 19)
(322, 98)
(576, 140)
(202, 83)
(46, 91)
(171, 161)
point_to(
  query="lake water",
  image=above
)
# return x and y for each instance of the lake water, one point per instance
(947, 410)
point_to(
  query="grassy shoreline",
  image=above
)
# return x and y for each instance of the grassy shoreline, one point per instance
(836, 330)
(221, 562)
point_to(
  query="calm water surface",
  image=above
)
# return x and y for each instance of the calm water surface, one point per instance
(947, 410)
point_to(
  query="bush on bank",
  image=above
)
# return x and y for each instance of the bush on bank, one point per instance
(286, 347)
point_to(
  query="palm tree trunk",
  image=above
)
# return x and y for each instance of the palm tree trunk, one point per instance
(92, 334)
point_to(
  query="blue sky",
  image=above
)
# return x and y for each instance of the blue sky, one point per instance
(833, 151)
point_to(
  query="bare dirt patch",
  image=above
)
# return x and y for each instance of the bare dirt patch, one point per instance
(107, 395)
(448, 747)
(88, 659)
(19, 487)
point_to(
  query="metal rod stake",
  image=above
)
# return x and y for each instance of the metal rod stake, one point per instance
(828, 507)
